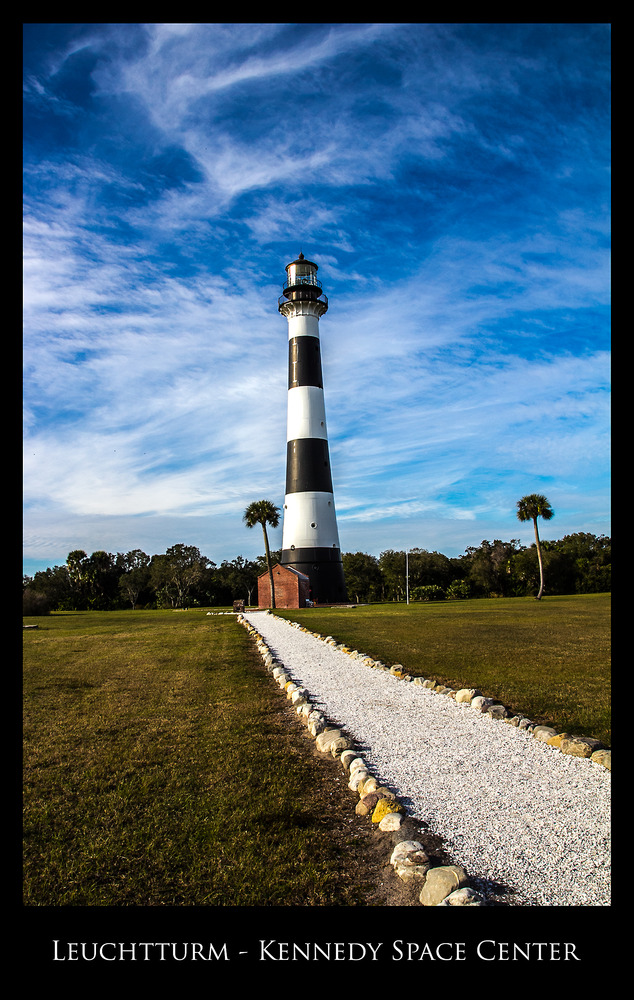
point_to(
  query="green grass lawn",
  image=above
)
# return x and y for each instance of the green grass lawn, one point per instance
(549, 659)
(159, 769)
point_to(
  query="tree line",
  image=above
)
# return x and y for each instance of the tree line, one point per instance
(182, 577)
(575, 564)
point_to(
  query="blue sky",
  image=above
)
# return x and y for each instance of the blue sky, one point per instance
(452, 182)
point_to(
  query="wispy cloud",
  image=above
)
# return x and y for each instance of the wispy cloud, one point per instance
(452, 182)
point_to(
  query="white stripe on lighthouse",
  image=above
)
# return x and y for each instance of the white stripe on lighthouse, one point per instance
(303, 322)
(310, 521)
(306, 413)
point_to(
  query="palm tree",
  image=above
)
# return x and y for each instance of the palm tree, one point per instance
(529, 509)
(264, 512)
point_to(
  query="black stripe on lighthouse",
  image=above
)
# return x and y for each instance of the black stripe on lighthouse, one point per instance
(304, 362)
(308, 466)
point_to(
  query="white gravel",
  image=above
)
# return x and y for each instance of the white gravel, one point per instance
(510, 809)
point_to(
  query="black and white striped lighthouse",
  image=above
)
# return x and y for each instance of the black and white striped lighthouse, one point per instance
(310, 540)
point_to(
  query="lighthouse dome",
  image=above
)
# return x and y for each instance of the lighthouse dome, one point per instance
(301, 282)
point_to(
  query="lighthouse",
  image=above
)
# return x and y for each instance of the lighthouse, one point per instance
(310, 540)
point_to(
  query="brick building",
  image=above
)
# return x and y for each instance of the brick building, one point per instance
(292, 588)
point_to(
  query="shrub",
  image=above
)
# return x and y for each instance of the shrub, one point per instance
(431, 592)
(34, 603)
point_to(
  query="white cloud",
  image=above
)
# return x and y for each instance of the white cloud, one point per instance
(462, 248)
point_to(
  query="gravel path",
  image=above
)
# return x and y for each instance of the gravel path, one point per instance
(510, 809)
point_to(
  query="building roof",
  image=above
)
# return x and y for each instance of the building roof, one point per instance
(288, 569)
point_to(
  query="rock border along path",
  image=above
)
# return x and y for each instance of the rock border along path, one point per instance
(520, 805)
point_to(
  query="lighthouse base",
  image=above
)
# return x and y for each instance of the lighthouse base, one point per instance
(324, 569)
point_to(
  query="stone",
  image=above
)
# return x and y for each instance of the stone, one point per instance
(326, 737)
(555, 741)
(462, 897)
(367, 803)
(409, 860)
(603, 757)
(346, 758)
(341, 743)
(356, 763)
(391, 822)
(440, 882)
(411, 872)
(356, 778)
(544, 733)
(385, 793)
(403, 848)
(465, 695)
(385, 806)
(480, 703)
(580, 746)
(498, 711)
(369, 785)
